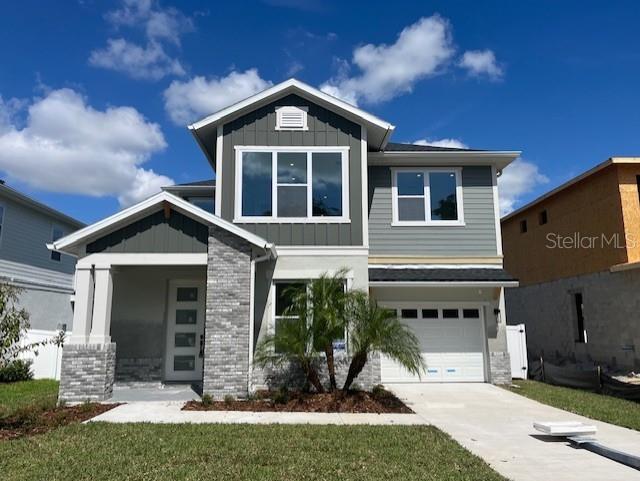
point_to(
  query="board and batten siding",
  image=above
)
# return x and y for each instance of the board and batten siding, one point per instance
(155, 233)
(476, 238)
(25, 235)
(326, 128)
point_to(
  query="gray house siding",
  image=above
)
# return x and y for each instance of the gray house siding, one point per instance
(155, 233)
(325, 129)
(476, 238)
(25, 234)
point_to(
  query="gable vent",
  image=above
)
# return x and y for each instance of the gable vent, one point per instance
(291, 118)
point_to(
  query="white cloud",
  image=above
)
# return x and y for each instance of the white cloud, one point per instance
(70, 147)
(451, 143)
(386, 71)
(518, 179)
(150, 62)
(481, 62)
(200, 96)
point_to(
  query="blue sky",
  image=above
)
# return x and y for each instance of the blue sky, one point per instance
(95, 95)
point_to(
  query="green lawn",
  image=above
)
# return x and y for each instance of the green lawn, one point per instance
(41, 393)
(240, 452)
(595, 406)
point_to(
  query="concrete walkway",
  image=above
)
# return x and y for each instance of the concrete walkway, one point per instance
(153, 392)
(170, 412)
(497, 426)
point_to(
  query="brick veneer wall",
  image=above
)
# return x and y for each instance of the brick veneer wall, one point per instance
(226, 355)
(87, 373)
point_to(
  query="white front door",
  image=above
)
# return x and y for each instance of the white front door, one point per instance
(185, 331)
(451, 340)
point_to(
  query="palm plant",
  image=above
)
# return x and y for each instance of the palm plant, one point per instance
(327, 298)
(375, 329)
(292, 341)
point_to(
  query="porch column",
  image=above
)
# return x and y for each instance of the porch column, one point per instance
(101, 325)
(83, 305)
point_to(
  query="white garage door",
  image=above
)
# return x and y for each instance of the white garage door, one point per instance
(452, 343)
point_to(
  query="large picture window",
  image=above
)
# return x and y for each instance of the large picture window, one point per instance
(427, 196)
(292, 184)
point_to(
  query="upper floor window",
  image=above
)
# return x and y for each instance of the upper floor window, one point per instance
(56, 233)
(291, 118)
(523, 226)
(427, 196)
(543, 218)
(291, 184)
(204, 202)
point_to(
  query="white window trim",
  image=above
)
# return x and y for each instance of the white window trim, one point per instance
(309, 219)
(427, 197)
(280, 110)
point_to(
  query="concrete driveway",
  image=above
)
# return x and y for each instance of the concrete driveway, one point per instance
(497, 426)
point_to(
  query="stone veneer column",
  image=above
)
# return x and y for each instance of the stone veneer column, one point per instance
(500, 367)
(87, 372)
(226, 352)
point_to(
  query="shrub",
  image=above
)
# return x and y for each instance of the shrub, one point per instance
(207, 400)
(229, 399)
(378, 390)
(281, 396)
(16, 370)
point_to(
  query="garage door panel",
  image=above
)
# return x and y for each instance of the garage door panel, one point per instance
(451, 348)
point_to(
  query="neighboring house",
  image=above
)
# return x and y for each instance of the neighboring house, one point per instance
(576, 253)
(45, 277)
(305, 184)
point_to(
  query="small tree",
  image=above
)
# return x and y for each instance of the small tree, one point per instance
(375, 329)
(14, 323)
(292, 341)
(327, 299)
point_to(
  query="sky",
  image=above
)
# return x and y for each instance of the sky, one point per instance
(95, 96)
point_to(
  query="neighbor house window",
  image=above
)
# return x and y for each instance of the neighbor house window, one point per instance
(56, 233)
(543, 217)
(292, 184)
(1, 221)
(523, 226)
(427, 196)
(581, 331)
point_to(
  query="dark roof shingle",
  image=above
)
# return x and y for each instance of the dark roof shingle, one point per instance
(463, 274)
(401, 147)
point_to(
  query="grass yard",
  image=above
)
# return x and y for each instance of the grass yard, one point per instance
(595, 406)
(240, 452)
(42, 393)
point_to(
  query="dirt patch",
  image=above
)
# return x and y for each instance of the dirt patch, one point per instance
(33, 421)
(380, 401)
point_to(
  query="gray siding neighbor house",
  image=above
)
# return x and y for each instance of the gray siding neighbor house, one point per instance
(182, 286)
(45, 277)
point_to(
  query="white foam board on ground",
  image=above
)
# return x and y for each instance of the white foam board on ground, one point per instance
(565, 428)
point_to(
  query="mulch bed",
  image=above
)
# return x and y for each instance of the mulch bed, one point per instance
(32, 421)
(353, 402)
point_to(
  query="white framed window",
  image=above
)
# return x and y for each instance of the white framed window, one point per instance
(292, 184)
(56, 233)
(291, 118)
(427, 196)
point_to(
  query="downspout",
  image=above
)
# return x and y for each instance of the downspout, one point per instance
(271, 253)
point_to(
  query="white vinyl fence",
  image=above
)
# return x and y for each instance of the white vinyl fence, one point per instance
(46, 365)
(517, 347)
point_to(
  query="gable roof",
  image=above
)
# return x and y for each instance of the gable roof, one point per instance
(39, 206)
(378, 130)
(71, 243)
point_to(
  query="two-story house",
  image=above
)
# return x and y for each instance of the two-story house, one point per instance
(182, 286)
(576, 253)
(44, 277)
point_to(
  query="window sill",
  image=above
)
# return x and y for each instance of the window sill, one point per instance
(291, 220)
(428, 224)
